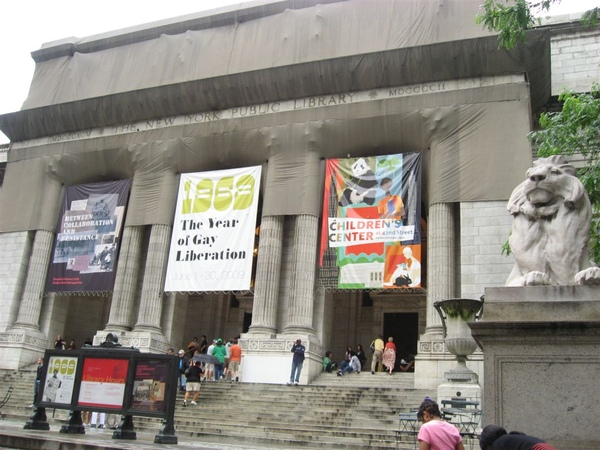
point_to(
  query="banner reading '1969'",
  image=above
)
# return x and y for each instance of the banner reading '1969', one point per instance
(214, 231)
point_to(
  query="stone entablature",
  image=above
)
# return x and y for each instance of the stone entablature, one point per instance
(319, 101)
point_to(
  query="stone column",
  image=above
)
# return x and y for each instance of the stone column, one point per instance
(128, 268)
(268, 272)
(431, 355)
(442, 260)
(301, 302)
(33, 293)
(152, 289)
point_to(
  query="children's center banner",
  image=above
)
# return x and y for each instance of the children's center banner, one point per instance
(371, 218)
(212, 246)
(87, 241)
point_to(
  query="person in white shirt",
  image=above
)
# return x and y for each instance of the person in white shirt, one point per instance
(350, 366)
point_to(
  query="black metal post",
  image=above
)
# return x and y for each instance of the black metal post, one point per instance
(126, 430)
(37, 421)
(74, 425)
(166, 435)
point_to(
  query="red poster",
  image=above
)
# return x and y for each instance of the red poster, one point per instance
(103, 382)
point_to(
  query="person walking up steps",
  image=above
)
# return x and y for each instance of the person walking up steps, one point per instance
(389, 355)
(219, 351)
(378, 345)
(235, 358)
(183, 364)
(194, 372)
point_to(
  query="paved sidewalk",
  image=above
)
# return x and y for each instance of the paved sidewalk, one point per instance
(13, 436)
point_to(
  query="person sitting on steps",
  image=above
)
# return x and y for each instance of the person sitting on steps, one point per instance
(350, 366)
(328, 364)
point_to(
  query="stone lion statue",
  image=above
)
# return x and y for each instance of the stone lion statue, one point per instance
(550, 233)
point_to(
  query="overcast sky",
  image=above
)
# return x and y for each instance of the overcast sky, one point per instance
(27, 24)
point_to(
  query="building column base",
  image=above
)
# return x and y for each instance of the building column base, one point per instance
(433, 361)
(22, 347)
(267, 358)
(145, 341)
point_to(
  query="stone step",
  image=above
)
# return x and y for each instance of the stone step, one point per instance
(354, 411)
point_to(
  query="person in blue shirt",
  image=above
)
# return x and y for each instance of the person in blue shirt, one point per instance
(183, 364)
(297, 361)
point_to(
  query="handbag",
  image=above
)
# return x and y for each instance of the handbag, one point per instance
(372, 347)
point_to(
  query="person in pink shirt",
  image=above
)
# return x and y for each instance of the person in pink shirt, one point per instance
(435, 433)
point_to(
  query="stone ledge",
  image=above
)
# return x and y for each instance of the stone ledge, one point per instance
(542, 304)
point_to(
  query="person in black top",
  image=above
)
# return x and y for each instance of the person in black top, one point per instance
(494, 437)
(407, 363)
(360, 353)
(193, 374)
(203, 345)
(38, 380)
(60, 344)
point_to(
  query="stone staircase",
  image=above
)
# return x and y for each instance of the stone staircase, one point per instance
(354, 411)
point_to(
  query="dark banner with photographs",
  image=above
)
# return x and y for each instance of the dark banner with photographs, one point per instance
(371, 221)
(149, 386)
(87, 241)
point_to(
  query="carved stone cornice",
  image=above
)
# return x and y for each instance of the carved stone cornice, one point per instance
(278, 345)
(13, 338)
(147, 342)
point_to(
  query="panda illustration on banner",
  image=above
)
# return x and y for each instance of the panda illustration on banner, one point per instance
(362, 187)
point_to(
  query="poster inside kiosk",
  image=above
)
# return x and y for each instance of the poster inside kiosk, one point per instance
(60, 379)
(103, 382)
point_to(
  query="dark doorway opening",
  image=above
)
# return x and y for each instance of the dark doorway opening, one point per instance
(247, 322)
(404, 328)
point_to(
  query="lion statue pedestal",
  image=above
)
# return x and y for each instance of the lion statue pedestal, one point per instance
(540, 335)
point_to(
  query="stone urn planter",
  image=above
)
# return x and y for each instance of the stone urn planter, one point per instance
(455, 313)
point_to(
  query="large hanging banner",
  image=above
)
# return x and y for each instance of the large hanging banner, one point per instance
(371, 218)
(212, 246)
(87, 240)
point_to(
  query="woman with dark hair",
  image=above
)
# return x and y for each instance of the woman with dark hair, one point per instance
(360, 353)
(494, 437)
(349, 353)
(436, 434)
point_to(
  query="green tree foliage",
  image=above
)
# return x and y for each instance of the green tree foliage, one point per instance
(512, 18)
(573, 130)
(576, 130)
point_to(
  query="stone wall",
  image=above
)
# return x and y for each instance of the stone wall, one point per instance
(575, 60)
(484, 227)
